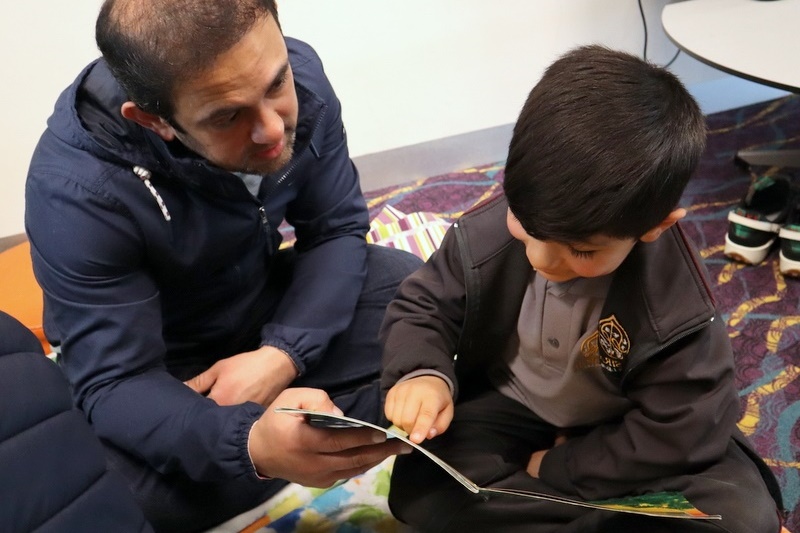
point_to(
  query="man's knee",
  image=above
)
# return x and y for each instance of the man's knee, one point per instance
(387, 267)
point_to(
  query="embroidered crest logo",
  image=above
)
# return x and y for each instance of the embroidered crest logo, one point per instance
(614, 344)
(590, 352)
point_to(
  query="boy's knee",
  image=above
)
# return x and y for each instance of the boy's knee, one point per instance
(757, 514)
(735, 490)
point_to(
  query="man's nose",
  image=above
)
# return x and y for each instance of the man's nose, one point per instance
(267, 127)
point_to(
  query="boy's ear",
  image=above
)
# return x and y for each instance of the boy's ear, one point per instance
(665, 224)
(147, 120)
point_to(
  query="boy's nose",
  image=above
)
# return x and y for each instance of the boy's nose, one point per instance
(542, 255)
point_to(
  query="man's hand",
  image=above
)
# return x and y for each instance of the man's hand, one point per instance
(286, 446)
(421, 406)
(257, 376)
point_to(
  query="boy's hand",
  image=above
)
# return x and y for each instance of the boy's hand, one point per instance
(535, 462)
(421, 406)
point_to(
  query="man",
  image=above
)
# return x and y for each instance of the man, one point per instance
(153, 205)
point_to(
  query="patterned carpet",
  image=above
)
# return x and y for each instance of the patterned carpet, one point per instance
(761, 308)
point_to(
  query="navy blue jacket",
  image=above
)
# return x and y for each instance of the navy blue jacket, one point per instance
(136, 300)
(53, 467)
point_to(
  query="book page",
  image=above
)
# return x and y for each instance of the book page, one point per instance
(661, 504)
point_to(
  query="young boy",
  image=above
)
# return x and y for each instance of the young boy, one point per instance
(563, 339)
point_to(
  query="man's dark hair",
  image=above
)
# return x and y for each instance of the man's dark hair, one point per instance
(153, 45)
(604, 145)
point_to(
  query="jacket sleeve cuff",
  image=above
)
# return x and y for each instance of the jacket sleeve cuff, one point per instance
(304, 348)
(429, 372)
(553, 469)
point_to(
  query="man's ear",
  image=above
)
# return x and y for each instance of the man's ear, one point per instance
(665, 224)
(147, 120)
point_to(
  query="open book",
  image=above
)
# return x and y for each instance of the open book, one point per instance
(660, 504)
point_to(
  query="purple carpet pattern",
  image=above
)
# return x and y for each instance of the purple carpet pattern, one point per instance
(759, 305)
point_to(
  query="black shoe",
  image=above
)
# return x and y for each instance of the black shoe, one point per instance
(755, 223)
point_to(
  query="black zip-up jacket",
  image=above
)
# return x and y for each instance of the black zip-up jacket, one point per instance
(660, 341)
(138, 288)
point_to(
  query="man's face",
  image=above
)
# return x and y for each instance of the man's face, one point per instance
(241, 113)
(558, 262)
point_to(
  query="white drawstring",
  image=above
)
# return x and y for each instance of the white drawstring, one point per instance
(145, 175)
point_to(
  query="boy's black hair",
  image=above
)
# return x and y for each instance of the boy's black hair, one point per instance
(153, 45)
(604, 145)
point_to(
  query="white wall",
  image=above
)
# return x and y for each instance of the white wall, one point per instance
(406, 72)
(419, 70)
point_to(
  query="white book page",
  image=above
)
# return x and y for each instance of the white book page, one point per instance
(622, 505)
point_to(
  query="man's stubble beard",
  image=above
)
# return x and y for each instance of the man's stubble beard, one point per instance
(278, 164)
(270, 167)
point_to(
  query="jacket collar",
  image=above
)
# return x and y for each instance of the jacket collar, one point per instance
(658, 295)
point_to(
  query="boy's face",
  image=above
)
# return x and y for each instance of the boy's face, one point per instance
(558, 261)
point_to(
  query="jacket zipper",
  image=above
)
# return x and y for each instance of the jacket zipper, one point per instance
(263, 214)
(274, 185)
(471, 286)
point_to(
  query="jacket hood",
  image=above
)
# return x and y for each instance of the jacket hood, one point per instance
(87, 116)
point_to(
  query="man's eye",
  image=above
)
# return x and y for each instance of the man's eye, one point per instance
(279, 83)
(226, 120)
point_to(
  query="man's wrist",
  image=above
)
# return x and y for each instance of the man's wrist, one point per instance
(272, 351)
(250, 453)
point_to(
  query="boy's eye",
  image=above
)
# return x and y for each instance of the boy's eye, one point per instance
(581, 254)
